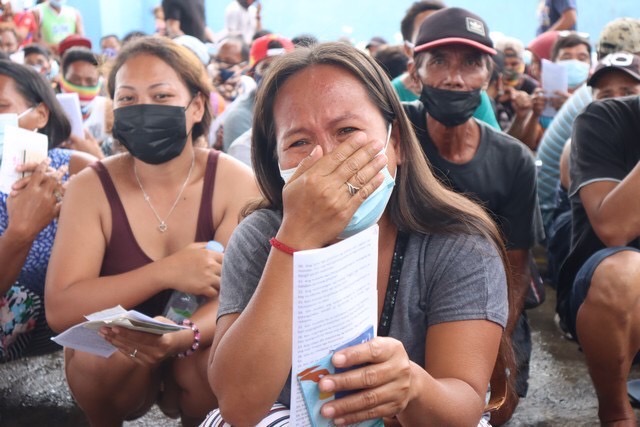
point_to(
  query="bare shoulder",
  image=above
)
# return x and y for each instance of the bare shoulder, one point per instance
(237, 176)
(80, 160)
(231, 165)
(87, 181)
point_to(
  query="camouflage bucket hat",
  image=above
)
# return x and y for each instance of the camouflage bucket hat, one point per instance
(622, 34)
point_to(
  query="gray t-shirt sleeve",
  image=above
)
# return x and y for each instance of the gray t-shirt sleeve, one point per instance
(465, 280)
(244, 260)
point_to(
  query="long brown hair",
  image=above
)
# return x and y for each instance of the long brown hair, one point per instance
(419, 202)
(185, 63)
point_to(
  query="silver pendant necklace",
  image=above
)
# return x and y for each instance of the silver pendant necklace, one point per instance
(162, 223)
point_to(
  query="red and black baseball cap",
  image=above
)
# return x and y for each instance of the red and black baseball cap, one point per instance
(268, 45)
(454, 25)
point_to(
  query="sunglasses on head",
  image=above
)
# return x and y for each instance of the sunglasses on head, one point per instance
(566, 33)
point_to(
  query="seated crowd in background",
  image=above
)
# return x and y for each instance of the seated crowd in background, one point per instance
(247, 135)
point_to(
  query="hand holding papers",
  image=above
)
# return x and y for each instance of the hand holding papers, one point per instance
(334, 305)
(554, 78)
(85, 336)
(20, 146)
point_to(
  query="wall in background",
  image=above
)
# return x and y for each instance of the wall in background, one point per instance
(358, 20)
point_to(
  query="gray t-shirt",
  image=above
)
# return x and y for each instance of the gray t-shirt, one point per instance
(444, 278)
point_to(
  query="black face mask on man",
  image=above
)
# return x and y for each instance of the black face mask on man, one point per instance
(152, 133)
(450, 107)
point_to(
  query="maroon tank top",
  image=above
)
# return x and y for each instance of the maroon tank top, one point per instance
(123, 253)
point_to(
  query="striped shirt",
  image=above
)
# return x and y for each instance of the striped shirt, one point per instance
(551, 146)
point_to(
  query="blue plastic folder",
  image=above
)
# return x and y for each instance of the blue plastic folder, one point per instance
(314, 399)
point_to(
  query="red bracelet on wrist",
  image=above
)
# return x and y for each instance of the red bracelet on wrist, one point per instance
(196, 339)
(281, 246)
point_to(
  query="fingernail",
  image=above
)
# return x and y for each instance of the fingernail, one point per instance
(326, 385)
(339, 421)
(339, 359)
(328, 411)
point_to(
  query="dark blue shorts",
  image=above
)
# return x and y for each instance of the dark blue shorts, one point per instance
(582, 282)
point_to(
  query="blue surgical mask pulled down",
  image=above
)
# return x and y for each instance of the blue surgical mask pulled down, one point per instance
(371, 210)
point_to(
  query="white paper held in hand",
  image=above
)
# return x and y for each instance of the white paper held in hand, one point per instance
(71, 105)
(554, 78)
(20, 146)
(334, 299)
(85, 337)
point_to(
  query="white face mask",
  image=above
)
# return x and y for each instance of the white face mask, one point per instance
(286, 174)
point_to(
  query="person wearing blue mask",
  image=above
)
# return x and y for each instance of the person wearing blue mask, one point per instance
(110, 45)
(453, 62)
(28, 213)
(334, 153)
(572, 50)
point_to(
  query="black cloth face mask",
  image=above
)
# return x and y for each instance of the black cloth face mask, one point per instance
(152, 133)
(450, 107)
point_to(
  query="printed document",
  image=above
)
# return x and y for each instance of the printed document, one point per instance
(334, 301)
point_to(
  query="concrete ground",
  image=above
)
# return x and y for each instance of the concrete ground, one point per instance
(560, 390)
(33, 391)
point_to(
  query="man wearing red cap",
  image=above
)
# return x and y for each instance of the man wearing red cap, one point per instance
(453, 61)
(72, 41)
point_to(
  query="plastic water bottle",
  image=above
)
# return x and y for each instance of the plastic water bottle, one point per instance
(182, 305)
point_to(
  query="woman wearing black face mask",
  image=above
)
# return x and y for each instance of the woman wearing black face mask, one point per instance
(135, 229)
